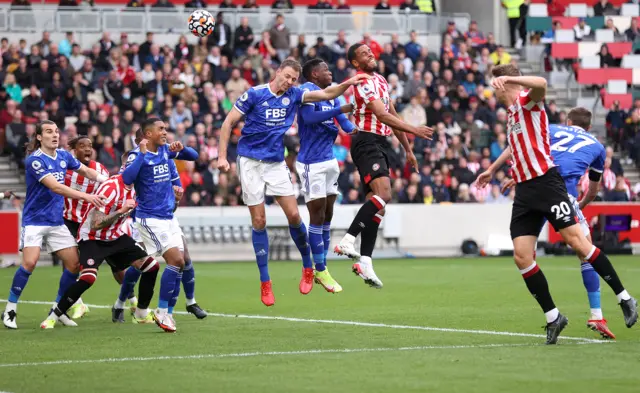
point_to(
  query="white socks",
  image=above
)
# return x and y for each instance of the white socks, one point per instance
(624, 295)
(552, 315)
(191, 301)
(119, 304)
(596, 314)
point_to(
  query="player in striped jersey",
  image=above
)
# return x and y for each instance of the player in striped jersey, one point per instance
(541, 193)
(101, 237)
(377, 119)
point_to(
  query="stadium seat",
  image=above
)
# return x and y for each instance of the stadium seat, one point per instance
(600, 76)
(617, 87)
(630, 10)
(631, 61)
(625, 100)
(582, 49)
(604, 36)
(590, 62)
(538, 10)
(565, 36)
(577, 10)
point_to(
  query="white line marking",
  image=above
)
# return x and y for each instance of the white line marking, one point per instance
(355, 323)
(272, 353)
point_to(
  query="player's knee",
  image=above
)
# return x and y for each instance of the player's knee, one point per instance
(294, 218)
(178, 262)
(89, 276)
(385, 195)
(523, 258)
(29, 265)
(259, 222)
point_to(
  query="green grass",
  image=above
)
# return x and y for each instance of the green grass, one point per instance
(470, 294)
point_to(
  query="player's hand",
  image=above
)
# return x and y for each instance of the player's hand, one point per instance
(507, 185)
(178, 192)
(96, 200)
(143, 146)
(176, 147)
(223, 164)
(357, 79)
(424, 132)
(128, 205)
(349, 108)
(8, 194)
(484, 178)
(413, 161)
(499, 82)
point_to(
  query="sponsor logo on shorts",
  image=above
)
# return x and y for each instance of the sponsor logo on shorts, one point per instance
(315, 188)
(91, 262)
(164, 237)
(375, 166)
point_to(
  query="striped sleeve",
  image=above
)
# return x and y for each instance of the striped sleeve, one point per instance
(367, 90)
(109, 191)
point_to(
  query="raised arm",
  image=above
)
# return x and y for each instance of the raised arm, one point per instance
(332, 92)
(536, 84)
(180, 152)
(225, 133)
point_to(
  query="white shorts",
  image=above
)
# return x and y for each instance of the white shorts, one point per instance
(53, 238)
(318, 180)
(582, 221)
(259, 178)
(158, 235)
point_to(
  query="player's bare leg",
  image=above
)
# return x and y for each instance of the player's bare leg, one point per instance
(586, 251)
(260, 241)
(298, 232)
(175, 264)
(523, 250)
(317, 219)
(30, 256)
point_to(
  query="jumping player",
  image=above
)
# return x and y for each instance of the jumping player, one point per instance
(541, 193)
(270, 110)
(318, 168)
(575, 151)
(377, 118)
(149, 172)
(42, 222)
(101, 238)
(74, 209)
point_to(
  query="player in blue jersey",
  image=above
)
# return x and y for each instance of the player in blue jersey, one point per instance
(42, 221)
(269, 111)
(575, 151)
(187, 276)
(148, 169)
(317, 167)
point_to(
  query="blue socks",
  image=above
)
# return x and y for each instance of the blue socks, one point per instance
(317, 246)
(167, 285)
(326, 236)
(301, 239)
(176, 293)
(131, 277)
(261, 248)
(20, 279)
(189, 280)
(66, 281)
(591, 282)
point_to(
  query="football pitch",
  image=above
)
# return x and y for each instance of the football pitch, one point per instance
(439, 325)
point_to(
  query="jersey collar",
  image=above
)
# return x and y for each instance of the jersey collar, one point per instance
(53, 158)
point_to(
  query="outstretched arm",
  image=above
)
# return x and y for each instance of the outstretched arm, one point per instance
(332, 92)
(60, 189)
(537, 84)
(91, 174)
(312, 116)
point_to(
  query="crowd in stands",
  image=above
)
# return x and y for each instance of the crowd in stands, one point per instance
(106, 90)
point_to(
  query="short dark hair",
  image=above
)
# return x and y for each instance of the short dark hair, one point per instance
(291, 63)
(351, 54)
(580, 117)
(309, 66)
(74, 142)
(149, 123)
(505, 70)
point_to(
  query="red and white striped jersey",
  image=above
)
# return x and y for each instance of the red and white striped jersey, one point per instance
(608, 179)
(370, 90)
(74, 209)
(528, 136)
(116, 194)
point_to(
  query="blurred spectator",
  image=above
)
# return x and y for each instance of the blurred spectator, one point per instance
(409, 6)
(383, 5)
(610, 26)
(282, 5)
(162, 5)
(413, 47)
(323, 51)
(603, 8)
(199, 4)
(321, 5)
(615, 122)
(65, 45)
(280, 38)
(555, 8)
(243, 37)
(620, 192)
(221, 36)
(109, 156)
(414, 113)
(227, 4)
(372, 44)
(606, 59)
(250, 4)
(342, 5)
(340, 46)
(32, 103)
(476, 36)
(500, 56)
(513, 14)
(582, 30)
(632, 32)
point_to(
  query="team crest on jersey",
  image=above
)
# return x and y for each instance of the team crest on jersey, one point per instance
(375, 166)
(286, 101)
(63, 164)
(36, 165)
(244, 97)
(91, 262)
(131, 158)
(166, 157)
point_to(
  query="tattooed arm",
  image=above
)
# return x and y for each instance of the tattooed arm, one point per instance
(100, 220)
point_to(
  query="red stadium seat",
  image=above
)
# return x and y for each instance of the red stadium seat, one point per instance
(626, 100)
(581, 49)
(591, 3)
(600, 76)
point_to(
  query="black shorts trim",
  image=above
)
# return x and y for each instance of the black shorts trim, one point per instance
(119, 253)
(370, 154)
(73, 227)
(539, 198)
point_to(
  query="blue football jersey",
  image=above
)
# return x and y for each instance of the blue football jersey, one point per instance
(267, 118)
(574, 151)
(43, 206)
(316, 140)
(154, 191)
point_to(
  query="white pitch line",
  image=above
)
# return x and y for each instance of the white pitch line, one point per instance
(271, 353)
(355, 323)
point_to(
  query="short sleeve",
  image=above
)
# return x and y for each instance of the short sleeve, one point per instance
(305, 90)
(130, 159)
(245, 103)
(72, 162)
(367, 90)
(598, 164)
(298, 95)
(526, 102)
(37, 168)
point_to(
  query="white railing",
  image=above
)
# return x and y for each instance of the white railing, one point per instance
(300, 20)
